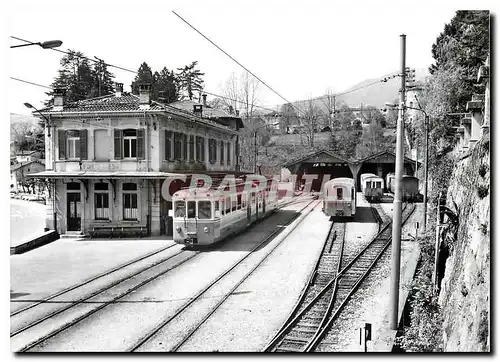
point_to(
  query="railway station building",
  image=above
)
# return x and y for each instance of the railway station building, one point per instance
(328, 166)
(107, 159)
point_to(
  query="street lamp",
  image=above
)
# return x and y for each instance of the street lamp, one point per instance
(47, 121)
(45, 45)
(255, 143)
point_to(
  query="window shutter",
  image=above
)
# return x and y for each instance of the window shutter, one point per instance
(222, 152)
(62, 144)
(185, 147)
(83, 144)
(118, 144)
(140, 144)
(168, 145)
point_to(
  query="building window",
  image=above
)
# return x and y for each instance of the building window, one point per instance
(200, 149)
(129, 143)
(130, 211)
(191, 148)
(73, 186)
(177, 146)
(168, 145)
(222, 152)
(101, 201)
(212, 150)
(228, 153)
(73, 144)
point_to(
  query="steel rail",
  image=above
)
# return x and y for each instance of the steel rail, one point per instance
(105, 304)
(294, 317)
(243, 279)
(353, 289)
(69, 289)
(163, 323)
(384, 230)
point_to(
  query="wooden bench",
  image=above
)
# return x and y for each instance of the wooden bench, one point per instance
(117, 230)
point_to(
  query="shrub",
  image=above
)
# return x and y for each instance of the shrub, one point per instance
(482, 191)
(483, 169)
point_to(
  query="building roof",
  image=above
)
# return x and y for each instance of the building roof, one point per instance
(207, 111)
(125, 103)
(17, 166)
(313, 154)
(382, 153)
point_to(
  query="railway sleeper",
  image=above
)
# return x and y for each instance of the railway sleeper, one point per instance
(286, 349)
(296, 339)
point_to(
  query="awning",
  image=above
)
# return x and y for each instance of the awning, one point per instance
(103, 174)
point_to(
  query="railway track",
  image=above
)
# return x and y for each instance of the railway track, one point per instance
(117, 288)
(140, 343)
(296, 335)
(85, 282)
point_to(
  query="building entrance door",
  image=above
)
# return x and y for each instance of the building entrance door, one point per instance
(74, 214)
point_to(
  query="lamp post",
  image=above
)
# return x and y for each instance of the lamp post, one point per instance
(426, 159)
(255, 144)
(45, 45)
(47, 121)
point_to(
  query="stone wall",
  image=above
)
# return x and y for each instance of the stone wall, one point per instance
(465, 288)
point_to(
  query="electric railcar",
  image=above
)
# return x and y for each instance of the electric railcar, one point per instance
(204, 217)
(372, 187)
(410, 188)
(389, 181)
(339, 197)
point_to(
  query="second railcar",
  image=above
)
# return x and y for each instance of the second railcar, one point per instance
(410, 188)
(339, 197)
(372, 187)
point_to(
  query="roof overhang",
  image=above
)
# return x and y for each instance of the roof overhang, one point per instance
(99, 175)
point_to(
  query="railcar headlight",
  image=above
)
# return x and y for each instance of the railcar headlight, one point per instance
(206, 230)
(178, 228)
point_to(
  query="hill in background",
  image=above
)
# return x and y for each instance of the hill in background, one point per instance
(374, 95)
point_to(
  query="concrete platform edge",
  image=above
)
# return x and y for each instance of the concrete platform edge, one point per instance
(44, 239)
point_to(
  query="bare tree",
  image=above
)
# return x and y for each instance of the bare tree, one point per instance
(329, 102)
(311, 115)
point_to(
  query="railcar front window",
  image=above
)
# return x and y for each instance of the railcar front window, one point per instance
(339, 194)
(204, 210)
(180, 209)
(191, 209)
(367, 184)
(378, 184)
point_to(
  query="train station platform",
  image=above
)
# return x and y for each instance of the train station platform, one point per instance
(64, 263)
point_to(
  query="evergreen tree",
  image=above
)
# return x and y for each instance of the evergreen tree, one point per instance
(144, 76)
(103, 80)
(75, 76)
(190, 80)
(165, 90)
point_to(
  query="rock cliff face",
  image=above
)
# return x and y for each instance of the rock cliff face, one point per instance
(465, 288)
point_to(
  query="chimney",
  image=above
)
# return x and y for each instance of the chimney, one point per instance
(144, 95)
(204, 99)
(118, 89)
(59, 98)
(198, 109)
(237, 113)
(231, 109)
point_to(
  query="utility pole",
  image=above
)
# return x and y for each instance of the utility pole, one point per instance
(396, 221)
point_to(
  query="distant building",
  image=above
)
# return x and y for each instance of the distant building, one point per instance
(20, 171)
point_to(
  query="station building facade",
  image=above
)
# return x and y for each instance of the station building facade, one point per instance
(107, 159)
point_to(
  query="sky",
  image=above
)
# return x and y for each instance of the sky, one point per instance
(299, 48)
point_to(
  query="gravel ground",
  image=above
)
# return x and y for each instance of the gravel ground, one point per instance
(248, 320)
(118, 326)
(371, 303)
(64, 263)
